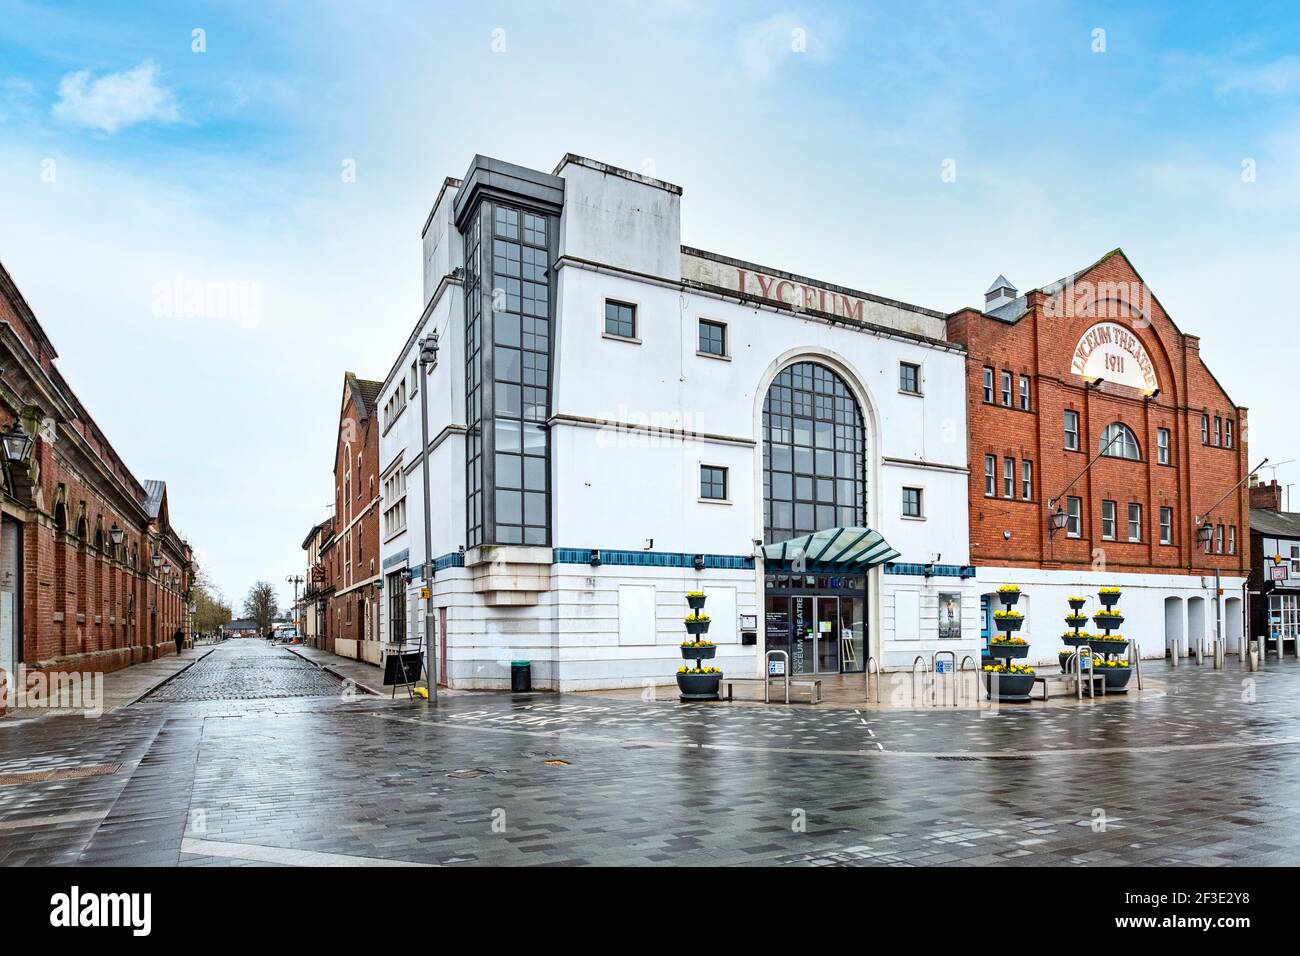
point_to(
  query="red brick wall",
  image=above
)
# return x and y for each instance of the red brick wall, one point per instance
(1041, 345)
(356, 529)
(83, 607)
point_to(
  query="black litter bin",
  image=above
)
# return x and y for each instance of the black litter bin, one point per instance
(521, 675)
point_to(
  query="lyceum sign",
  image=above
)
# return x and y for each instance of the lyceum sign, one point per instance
(1110, 351)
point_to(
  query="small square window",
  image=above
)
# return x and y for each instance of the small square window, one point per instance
(909, 378)
(713, 338)
(912, 502)
(713, 482)
(620, 319)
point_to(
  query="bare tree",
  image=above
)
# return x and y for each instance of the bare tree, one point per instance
(261, 605)
(210, 607)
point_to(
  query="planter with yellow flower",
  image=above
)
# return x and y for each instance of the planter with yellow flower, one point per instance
(1007, 681)
(702, 682)
(1003, 680)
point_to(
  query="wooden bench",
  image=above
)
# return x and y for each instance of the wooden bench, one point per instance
(814, 685)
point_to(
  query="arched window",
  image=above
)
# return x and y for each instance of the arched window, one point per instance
(1117, 441)
(813, 448)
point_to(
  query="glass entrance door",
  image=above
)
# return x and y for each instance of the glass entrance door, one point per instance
(828, 635)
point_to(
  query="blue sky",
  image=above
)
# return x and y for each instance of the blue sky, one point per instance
(225, 167)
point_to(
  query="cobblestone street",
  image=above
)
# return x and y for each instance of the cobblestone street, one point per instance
(257, 671)
(254, 756)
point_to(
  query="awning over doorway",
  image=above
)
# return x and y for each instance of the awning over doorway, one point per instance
(832, 551)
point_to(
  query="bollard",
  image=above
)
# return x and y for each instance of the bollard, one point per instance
(1200, 653)
(1174, 653)
(1219, 656)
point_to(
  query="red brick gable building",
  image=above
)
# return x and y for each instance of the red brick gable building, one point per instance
(351, 557)
(1054, 376)
(80, 589)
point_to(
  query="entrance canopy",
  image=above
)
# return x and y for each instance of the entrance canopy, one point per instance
(832, 551)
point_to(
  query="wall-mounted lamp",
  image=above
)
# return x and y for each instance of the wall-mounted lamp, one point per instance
(929, 569)
(16, 442)
(1096, 382)
(595, 557)
(1057, 520)
(1205, 533)
(699, 562)
(116, 535)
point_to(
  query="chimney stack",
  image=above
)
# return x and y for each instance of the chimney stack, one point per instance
(1266, 497)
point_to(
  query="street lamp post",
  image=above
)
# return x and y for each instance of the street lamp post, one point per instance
(428, 360)
(295, 580)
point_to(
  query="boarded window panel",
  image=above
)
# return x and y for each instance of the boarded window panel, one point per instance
(720, 605)
(907, 615)
(636, 614)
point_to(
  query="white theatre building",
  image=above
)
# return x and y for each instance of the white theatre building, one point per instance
(616, 419)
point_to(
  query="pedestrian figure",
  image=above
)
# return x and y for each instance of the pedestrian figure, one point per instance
(179, 638)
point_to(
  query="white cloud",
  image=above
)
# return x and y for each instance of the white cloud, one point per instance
(1278, 78)
(768, 43)
(116, 100)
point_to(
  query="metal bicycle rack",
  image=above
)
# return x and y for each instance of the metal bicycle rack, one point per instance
(1135, 656)
(961, 672)
(934, 682)
(920, 659)
(767, 676)
(1076, 664)
(872, 663)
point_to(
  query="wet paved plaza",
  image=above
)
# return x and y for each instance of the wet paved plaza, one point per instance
(256, 756)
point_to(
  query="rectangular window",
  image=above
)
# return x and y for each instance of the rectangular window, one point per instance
(912, 502)
(1162, 445)
(713, 482)
(909, 378)
(1218, 539)
(1227, 432)
(1134, 522)
(1232, 539)
(1205, 429)
(1074, 515)
(1071, 431)
(620, 319)
(1218, 430)
(990, 475)
(1024, 392)
(1008, 477)
(1108, 520)
(1027, 480)
(1006, 389)
(988, 385)
(1166, 525)
(415, 377)
(713, 338)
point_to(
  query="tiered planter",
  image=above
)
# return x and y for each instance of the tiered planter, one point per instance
(702, 682)
(1001, 682)
(1076, 619)
(1109, 648)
